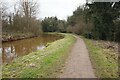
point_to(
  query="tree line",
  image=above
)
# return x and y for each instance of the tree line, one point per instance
(52, 24)
(101, 20)
(22, 18)
(97, 20)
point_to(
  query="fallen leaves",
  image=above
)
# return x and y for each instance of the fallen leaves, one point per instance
(32, 65)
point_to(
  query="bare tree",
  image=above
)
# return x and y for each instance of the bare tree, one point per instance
(22, 19)
(29, 8)
(3, 15)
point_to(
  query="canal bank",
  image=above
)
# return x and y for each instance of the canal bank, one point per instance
(45, 63)
(18, 48)
(8, 37)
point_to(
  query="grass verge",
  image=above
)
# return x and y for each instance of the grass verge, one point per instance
(46, 63)
(104, 61)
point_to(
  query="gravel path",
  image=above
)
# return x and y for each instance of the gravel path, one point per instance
(78, 64)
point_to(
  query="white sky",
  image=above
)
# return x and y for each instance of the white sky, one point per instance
(59, 8)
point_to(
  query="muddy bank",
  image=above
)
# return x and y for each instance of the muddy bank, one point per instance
(14, 37)
(19, 36)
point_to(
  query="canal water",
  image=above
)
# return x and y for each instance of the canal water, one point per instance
(14, 49)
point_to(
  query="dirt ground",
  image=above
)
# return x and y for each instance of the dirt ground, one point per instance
(78, 64)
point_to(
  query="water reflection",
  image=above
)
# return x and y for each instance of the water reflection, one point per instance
(12, 50)
(8, 54)
(0, 55)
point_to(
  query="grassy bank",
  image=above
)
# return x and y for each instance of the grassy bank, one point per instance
(46, 63)
(105, 61)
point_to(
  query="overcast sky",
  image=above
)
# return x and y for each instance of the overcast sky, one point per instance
(59, 8)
